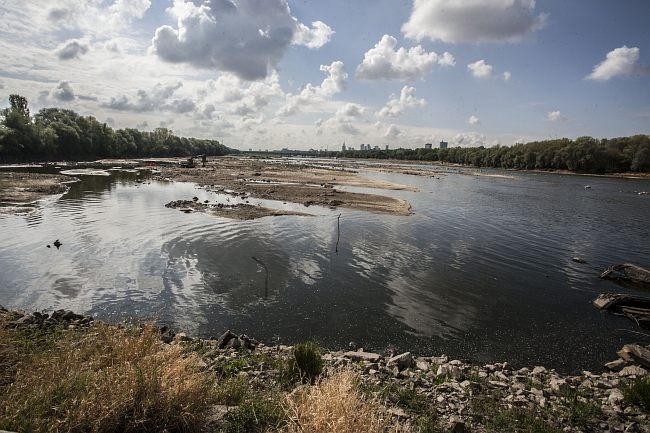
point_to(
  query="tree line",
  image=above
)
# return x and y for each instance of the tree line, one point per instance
(584, 154)
(64, 134)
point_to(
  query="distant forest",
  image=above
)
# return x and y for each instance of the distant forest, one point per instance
(63, 134)
(584, 154)
(56, 133)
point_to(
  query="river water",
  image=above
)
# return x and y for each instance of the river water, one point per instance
(481, 271)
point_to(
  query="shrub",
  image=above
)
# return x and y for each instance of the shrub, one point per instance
(305, 363)
(259, 413)
(108, 380)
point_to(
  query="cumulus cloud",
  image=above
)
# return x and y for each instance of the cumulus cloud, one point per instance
(473, 21)
(350, 110)
(72, 49)
(63, 92)
(335, 82)
(386, 61)
(397, 104)
(473, 120)
(392, 132)
(620, 61)
(244, 37)
(160, 98)
(130, 8)
(555, 116)
(507, 75)
(480, 69)
(469, 139)
(315, 37)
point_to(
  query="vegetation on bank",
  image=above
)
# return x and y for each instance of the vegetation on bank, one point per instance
(584, 154)
(55, 133)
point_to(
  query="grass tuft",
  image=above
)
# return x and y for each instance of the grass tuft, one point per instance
(334, 405)
(638, 392)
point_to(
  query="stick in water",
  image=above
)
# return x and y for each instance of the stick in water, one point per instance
(266, 280)
(338, 232)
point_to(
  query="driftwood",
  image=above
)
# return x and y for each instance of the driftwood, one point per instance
(628, 273)
(632, 307)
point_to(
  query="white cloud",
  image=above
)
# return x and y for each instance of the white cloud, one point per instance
(63, 92)
(397, 104)
(480, 69)
(72, 49)
(507, 75)
(473, 120)
(555, 116)
(315, 37)
(335, 82)
(384, 61)
(243, 37)
(472, 21)
(392, 132)
(350, 110)
(160, 98)
(469, 139)
(130, 8)
(620, 61)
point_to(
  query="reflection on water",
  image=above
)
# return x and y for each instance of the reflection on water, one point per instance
(482, 270)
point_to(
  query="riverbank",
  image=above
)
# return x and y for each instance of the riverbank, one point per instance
(20, 188)
(68, 372)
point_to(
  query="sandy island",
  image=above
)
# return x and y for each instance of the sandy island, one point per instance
(292, 182)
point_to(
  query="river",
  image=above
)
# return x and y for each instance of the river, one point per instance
(481, 271)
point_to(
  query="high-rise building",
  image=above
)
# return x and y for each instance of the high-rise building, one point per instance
(444, 144)
(428, 146)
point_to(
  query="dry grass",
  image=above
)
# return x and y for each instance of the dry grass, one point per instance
(335, 405)
(107, 380)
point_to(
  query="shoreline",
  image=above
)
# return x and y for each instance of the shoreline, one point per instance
(460, 394)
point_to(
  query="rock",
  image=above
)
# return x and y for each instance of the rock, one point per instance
(456, 425)
(635, 353)
(403, 361)
(578, 260)
(363, 356)
(225, 339)
(616, 365)
(181, 336)
(538, 371)
(558, 385)
(57, 244)
(615, 397)
(628, 273)
(422, 364)
(632, 370)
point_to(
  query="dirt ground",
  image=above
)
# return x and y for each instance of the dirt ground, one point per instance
(24, 188)
(291, 182)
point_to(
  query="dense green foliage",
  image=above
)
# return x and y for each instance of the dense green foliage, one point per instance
(584, 154)
(58, 133)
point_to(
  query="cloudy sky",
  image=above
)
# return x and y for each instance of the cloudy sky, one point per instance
(311, 74)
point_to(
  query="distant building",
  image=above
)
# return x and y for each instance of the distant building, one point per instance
(343, 148)
(363, 146)
(376, 147)
(386, 147)
(444, 144)
(428, 146)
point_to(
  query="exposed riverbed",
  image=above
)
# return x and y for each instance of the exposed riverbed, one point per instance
(482, 269)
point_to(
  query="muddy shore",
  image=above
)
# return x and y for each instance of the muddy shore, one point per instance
(25, 188)
(236, 211)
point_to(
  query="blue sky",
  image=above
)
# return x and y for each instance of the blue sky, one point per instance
(264, 74)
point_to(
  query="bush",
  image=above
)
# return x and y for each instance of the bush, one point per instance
(257, 414)
(638, 392)
(305, 364)
(106, 380)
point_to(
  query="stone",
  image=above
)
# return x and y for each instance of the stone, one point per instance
(225, 339)
(615, 397)
(363, 356)
(422, 364)
(558, 385)
(403, 361)
(635, 353)
(456, 425)
(617, 365)
(181, 336)
(632, 370)
(538, 371)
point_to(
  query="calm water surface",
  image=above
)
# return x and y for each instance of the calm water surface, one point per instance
(481, 271)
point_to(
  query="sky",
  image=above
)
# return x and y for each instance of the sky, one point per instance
(270, 74)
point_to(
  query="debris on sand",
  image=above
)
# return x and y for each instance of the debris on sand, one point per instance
(25, 188)
(632, 307)
(236, 211)
(628, 273)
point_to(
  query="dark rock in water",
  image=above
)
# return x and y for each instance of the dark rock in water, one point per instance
(47, 246)
(195, 199)
(636, 354)
(632, 307)
(578, 260)
(628, 273)
(57, 244)
(167, 336)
